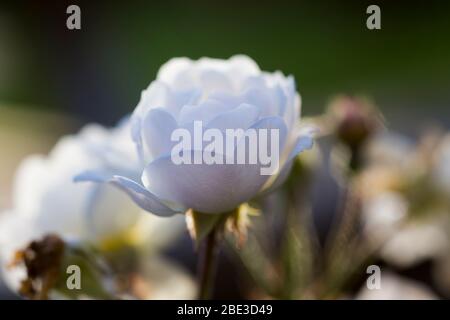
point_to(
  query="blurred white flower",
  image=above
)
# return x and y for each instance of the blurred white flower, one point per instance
(46, 200)
(416, 242)
(382, 215)
(45, 193)
(390, 149)
(402, 209)
(222, 94)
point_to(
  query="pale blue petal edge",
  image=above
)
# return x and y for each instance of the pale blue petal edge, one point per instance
(141, 196)
(305, 141)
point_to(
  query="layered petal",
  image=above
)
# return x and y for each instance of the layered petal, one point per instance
(205, 111)
(211, 188)
(241, 117)
(158, 126)
(303, 141)
(141, 196)
(184, 73)
(217, 94)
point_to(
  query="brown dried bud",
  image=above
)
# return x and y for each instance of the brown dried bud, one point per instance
(355, 120)
(42, 260)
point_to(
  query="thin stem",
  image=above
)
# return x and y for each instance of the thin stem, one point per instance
(207, 265)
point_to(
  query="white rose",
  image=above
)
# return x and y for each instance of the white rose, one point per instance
(44, 190)
(221, 94)
(46, 200)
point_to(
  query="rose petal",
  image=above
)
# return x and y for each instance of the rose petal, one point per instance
(241, 117)
(202, 112)
(142, 197)
(158, 126)
(303, 142)
(209, 188)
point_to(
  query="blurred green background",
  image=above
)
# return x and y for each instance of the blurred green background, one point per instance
(97, 73)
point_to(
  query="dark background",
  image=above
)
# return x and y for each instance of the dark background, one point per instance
(97, 73)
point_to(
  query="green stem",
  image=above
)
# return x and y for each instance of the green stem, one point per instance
(207, 265)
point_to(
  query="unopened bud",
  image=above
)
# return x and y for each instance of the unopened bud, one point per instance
(355, 120)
